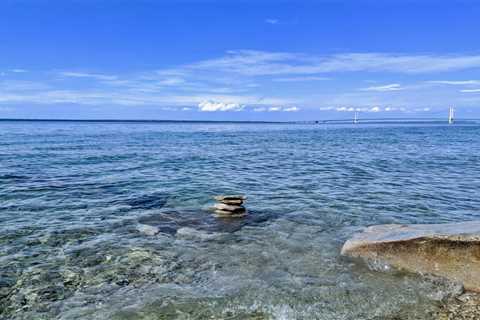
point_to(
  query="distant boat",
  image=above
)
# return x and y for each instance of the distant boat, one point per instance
(450, 115)
(355, 118)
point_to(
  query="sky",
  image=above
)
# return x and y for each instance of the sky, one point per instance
(239, 59)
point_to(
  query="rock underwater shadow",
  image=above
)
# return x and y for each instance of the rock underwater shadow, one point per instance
(170, 221)
(154, 200)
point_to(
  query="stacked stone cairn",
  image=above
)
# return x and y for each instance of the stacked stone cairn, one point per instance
(230, 206)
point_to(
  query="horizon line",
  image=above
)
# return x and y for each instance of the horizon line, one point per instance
(313, 121)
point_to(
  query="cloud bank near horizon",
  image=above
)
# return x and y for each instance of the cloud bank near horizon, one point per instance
(262, 81)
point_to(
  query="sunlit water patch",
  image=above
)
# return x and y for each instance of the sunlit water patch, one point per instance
(74, 194)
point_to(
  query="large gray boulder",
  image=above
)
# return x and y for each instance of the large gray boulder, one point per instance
(449, 250)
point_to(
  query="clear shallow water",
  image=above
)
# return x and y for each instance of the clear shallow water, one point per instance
(72, 195)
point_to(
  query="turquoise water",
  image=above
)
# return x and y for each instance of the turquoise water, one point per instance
(73, 195)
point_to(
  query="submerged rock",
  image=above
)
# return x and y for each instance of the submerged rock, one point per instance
(148, 230)
(229, 214)
(448, 250)
(192, 234)
(154, 200)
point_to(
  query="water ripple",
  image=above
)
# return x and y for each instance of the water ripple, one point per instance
(73, 195)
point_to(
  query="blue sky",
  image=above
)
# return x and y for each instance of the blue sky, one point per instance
(239, 60)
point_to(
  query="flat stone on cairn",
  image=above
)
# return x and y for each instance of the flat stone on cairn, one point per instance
(230, 206)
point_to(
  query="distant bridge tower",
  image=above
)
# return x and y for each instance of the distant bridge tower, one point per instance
(450, 115)
(355, 118)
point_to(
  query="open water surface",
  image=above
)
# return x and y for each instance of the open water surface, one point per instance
(73, 195)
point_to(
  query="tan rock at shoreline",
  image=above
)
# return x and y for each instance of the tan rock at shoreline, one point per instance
(448, 250)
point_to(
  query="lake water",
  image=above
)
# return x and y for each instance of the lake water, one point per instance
(74, 193)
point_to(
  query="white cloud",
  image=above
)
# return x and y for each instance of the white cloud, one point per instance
(171, 81)
(277, 109)
(210, 106)
(391, 109)
(18, 70)
(359, 109)
(301, 79)
(271, 21)
(242, 80)
(274, 109)
(88, 75)
(258, 63)
(97, 94)
(456, 82)
(349, 109)
(404, 102)
(385, 88)
(244, 62)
